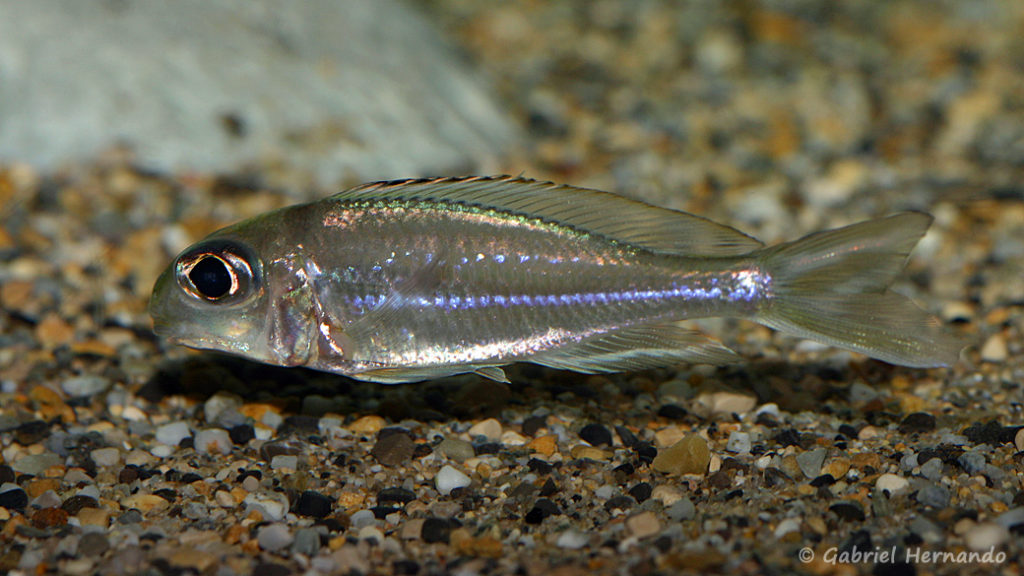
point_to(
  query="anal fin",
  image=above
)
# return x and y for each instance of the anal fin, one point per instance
(419, 373)
(637, 348)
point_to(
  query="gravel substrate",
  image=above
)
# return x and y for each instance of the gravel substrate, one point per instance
(122, 454)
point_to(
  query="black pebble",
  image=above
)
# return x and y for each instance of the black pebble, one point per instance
(271, 569)
(641, 492)
(395, 495)
(788, 437)
(848, 511)
(917, 422)
(549, 488)
(848, 431)
(620, 502)
(312, 504)
(6, 474)
(596, 435)
(241, 434)
(406, 567)
(14, 499)
(93, 544)
(672, 412)
(539, 466)
(75, 504)
(823, 480)
(31, 432)
(393, 449)
(542, 508)
(626, 435)
(991, 433)
(533, 424)
(646, 452)
(436, 530)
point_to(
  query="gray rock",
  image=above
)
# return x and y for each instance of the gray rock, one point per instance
(360, 90)
(933, 495)
(274, 537)
(810, 462)
(35, 464)
(932, 470)
(362, 519)
(739, 442)
(85, 385)
(307, 542)
(456, 449)
(682, 509)
(972, 462)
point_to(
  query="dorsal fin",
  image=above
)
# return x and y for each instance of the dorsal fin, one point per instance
(601, 213)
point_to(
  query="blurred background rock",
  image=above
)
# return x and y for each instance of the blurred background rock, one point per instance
(338, 91)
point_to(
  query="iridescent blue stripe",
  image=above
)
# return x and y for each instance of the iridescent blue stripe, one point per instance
(744, 287)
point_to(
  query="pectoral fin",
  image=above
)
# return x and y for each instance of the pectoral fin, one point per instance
(638, 348)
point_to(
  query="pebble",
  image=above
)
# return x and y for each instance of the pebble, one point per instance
(787, 526)
(687, 456)
(596, 435)
(728, 402)
(456, 449)
(683, 509)
(994, 348)
(667, 495)
(972, 462)
(36, 464)
(363, 518)
(84, 386)
(934, 495)
(436, 530)
(272, 510)
(917, 422)
(274, 537)
(1018, 440)
(572, 539)
(489, 429)
(892, 484)
(810, 462)
(739, 442)
(932, 469)
(106, 457)
(213, 441)
(93, 544)
(368, 425)
(986, 535)
(545, 445)
(312, 504)
(172, 433)
(12, 497)
(1013, 518)
(394, 449)
(644, 524)
(285, 462)
(449, 478)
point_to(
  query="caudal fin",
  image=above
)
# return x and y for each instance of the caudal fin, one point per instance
(832, 287)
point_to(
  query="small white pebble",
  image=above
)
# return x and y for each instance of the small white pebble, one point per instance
(213, 441)
(572, 539)
(739, 442)
(490, 429)
(106, 457)
(285, 462)
(994, 349)
(891, 483)
(274, 537)
(449, 479)
(668, 495)
(786, 526)
(172, 433)
(985, 535)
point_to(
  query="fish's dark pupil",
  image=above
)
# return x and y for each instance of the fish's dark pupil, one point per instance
(211, 277)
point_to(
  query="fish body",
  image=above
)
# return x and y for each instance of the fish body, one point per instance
(410, 280)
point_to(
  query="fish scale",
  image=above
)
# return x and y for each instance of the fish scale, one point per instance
(416, 279)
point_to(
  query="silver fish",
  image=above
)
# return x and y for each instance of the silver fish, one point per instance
(417, 279)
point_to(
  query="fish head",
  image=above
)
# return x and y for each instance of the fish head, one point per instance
(213, 296)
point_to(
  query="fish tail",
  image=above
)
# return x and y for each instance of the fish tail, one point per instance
(832, 287)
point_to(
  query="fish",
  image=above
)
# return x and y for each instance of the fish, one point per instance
(410, 280)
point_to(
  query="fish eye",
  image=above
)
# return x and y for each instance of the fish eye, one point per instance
(216, 273)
